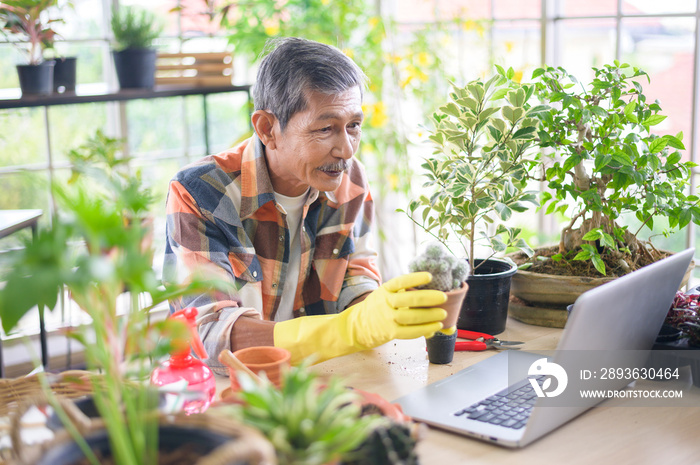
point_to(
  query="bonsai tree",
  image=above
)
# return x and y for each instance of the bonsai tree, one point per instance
(478, 172)
(604, 163)
(26, 22)
(448, 272)
(96, 253)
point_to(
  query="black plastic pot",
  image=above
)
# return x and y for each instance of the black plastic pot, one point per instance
(485, 307)
(136, 68)
(64, 74)
(36, 79)
(441, 348)
(170, 438)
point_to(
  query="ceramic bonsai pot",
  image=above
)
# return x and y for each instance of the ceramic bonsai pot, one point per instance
(542, 299)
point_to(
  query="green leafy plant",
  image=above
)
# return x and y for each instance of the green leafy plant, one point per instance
(100, 163)
(604, 162)
(95, 252)
(308, 421)
(134, 28)
(448, 271)
(27, 22)
(479, 172)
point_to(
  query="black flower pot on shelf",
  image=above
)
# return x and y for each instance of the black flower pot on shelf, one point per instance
(485, 307)
(64, 74)
(136, 68)
(36, 79)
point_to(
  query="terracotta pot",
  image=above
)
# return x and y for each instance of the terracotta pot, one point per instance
(263, 359)
(453, 305)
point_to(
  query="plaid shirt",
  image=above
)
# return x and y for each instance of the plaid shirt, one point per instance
(221, 210)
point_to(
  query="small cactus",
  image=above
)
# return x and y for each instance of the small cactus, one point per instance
(448, 272)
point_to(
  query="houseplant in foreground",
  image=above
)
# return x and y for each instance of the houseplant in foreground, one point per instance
(609, 173)
(478, 178)
(134, 31)
(26, 22)
(96, 250)
(449, 276)
(314, 421)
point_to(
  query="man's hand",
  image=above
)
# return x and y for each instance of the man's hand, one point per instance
(393, 311)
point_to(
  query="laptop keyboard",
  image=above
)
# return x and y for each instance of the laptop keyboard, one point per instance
(510, 407)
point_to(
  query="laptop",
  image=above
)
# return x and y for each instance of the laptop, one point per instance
(618, 320)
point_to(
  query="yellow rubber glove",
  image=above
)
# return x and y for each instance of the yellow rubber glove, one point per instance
(389, 312)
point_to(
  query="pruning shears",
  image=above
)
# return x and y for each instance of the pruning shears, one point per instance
(480, 341)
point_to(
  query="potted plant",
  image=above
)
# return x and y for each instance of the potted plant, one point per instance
(134, 31)
(313, 422)
(26, 23)
(478, 178)
(64, 70)
(610, 174)
(95, 252)
(449, 276)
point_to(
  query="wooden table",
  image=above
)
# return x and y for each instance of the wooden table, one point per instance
(609, 433)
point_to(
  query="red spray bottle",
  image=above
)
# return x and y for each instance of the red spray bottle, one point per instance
(183, 368)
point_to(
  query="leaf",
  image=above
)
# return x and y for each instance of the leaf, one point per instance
(451, 109)
(537, 73)
(593, 235)
(503, 211)
(629, 111)
(525, 133)
(538, 109)
(674, 142)
(508, 113)
(498, 95)
(657, 145)
(653, 120)
(602, 161)
(487, 112)
(599, 264)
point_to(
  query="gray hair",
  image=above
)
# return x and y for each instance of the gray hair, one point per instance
(296, 66)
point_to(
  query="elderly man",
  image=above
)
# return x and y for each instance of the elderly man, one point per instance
(287, 215)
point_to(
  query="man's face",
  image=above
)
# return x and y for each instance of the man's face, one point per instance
(315, 147)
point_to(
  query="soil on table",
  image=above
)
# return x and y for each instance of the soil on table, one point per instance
(584, 268)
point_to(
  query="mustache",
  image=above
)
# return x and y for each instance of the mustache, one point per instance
(341, 165)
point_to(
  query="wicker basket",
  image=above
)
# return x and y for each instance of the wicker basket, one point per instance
(68, 384)
(245, 446)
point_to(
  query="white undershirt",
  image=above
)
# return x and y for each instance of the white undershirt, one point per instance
(293, 207)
